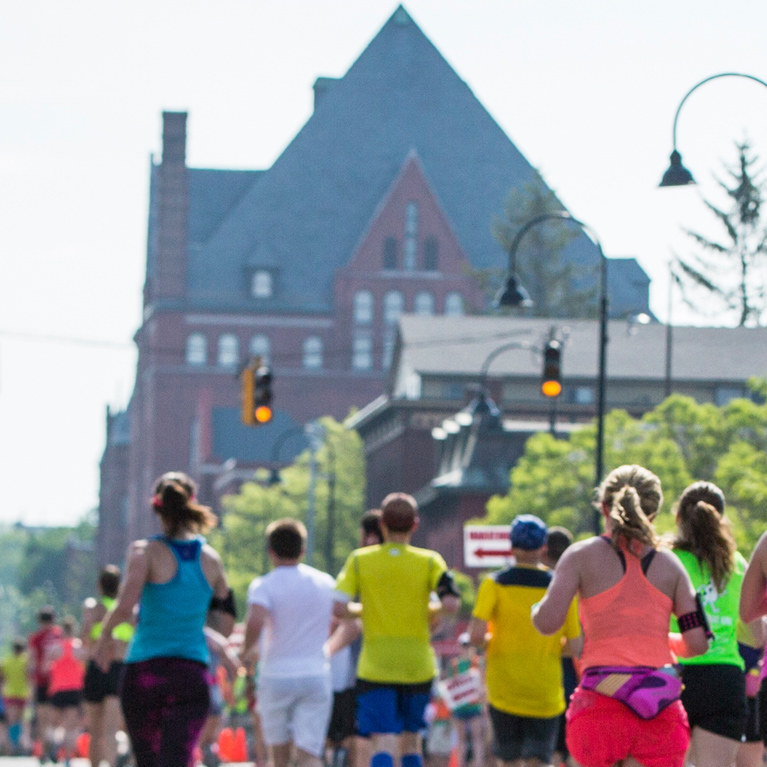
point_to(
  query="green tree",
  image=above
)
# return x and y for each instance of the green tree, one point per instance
(681, 440)
(730, 274)
(339, 494)
(552, 282)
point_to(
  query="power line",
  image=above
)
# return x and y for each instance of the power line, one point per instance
(50, 338)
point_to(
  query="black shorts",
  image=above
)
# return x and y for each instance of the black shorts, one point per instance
(752, 732)
(714, 697)
(99, 684)
(66, 699)
(41, 694)
(523, 737)
(342, 717)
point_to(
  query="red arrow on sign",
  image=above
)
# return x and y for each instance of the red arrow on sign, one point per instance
(492, 553)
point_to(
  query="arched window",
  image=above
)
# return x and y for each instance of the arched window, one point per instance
(260, 347)
(196, 349)
(431, 254)
(228, 350)
(313, 352)
(394, 303)
(411, 236)
(424, 303)
(454, 305)
(390, 253)
(362, 352)
(363, 307)
(261, 284)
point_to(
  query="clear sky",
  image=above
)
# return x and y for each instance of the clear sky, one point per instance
(586, 89)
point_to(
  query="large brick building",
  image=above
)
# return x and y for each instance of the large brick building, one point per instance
(383, 203)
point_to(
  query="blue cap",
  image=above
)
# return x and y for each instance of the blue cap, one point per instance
(528, 532)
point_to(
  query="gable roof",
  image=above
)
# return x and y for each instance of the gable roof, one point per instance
(304, 216)
(307, 212)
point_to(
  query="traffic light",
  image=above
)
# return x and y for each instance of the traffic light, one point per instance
(247, 389)
(262, 395)
(551, 382)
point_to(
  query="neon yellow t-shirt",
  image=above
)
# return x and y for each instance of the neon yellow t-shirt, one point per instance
(393, 581)
(15, 672)
(523, 667)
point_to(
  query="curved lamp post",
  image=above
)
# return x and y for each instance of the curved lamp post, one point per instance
(505, 298)
(677, 174)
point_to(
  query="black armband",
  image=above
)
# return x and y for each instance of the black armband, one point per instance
(224, 604)
(446, 585)
(690, 621)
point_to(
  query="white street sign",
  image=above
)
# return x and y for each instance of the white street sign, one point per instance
(486, 546)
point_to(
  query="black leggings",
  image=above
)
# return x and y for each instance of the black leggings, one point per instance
(165, 702)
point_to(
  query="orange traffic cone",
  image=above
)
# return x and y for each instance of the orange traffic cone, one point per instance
(225, 744)
(83, 744)
(239, 746)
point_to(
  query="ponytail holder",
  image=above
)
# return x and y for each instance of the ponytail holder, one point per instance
(157, 502)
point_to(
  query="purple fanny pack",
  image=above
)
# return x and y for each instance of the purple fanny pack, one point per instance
(645, 690)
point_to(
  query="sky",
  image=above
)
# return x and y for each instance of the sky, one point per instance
(586, 90)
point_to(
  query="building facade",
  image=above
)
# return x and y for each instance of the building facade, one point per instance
(382, 204)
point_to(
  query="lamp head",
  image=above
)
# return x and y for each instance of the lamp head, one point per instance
(677, 174)
(512, 294)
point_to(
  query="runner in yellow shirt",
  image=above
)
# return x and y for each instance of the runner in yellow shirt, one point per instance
(394, 582)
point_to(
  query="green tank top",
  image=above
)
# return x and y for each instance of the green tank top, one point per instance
(721, 610)
(123, 631)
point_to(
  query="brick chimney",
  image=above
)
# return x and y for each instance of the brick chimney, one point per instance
(172, 210)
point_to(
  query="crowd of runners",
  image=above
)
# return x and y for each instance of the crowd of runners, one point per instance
(620, 649)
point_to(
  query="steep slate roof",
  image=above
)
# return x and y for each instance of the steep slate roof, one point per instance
(307, 212)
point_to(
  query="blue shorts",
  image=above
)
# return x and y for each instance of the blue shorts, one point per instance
(391, 708)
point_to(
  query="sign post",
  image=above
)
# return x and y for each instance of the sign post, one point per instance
(486, 546)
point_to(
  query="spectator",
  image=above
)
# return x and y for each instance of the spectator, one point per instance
(15, 673)
(39, 643)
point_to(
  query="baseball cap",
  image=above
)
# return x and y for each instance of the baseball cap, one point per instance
(528, 532)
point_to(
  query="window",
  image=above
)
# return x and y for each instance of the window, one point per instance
(363, 307)
(394, 303)
(454, 305)
(261, 284)
(196, 349)
(313, 353)
(260, 347)
(431, 254)
(411, 236)
(362, 352)
(723, 394)
(228, 350)
(424, 303)
(388, 348)
(583, 395)
(390, 253)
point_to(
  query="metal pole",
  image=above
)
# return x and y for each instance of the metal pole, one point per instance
(314, 434)
(602, 343)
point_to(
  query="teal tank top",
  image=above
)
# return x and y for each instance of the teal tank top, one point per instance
(721, 610)
(172, 615)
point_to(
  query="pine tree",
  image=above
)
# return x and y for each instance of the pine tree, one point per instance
(729, 277)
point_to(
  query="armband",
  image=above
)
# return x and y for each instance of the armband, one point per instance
(224, 604)
(690, 621)
(446, 586)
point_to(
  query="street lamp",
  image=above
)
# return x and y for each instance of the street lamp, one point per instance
(506, 296)
(677, 174)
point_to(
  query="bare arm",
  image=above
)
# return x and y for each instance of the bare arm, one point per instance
(692, 642)
(753, 593)
(343, 634)
(136, 576)
(477, 632)
(254, 624)
(550, 613)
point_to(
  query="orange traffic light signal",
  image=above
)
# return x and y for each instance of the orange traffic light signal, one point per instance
(262, 395)
(551, 382)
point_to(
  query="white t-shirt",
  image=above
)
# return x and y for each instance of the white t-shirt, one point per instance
(299, 600)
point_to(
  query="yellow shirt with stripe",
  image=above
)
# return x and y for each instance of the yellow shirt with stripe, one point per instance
(523, 667)
(394, 582)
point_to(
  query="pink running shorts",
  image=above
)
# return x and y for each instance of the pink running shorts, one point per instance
(602, 731)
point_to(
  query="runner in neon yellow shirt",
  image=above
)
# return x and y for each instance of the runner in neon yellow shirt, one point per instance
(394, 582)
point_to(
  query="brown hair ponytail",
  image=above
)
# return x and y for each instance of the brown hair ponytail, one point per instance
(174, 500)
